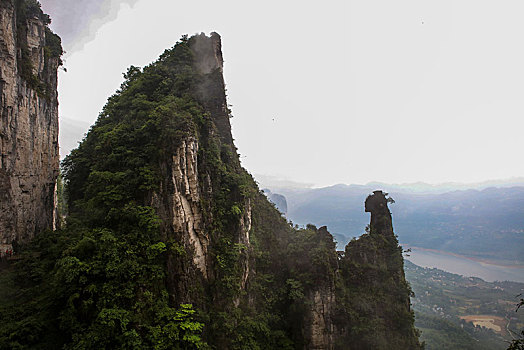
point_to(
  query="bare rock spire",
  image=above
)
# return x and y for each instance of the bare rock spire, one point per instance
(377, 205)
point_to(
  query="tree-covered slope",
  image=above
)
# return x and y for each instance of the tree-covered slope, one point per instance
(169, 243)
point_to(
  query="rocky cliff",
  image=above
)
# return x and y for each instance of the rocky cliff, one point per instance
(170, 244)
(191, 186)
(29, 160)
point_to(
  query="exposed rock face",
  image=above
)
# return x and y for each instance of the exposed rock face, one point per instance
(186, 198)
(187, 214)
(29, 157)
(320, 327)
(178, 204)
(243, 239)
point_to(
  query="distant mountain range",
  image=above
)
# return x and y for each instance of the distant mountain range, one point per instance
(485, 222)
(277, 199)
(278, 183)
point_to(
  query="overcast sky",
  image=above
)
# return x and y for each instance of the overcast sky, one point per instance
(327, 92)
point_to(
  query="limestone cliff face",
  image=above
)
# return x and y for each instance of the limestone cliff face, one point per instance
(29, 157)
(277, 199)
(179, 206)
(320, 329)
(186, 199)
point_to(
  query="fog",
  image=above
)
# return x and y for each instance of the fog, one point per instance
(329, 92)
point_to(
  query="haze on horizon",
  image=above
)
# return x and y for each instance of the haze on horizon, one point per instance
(331, 92)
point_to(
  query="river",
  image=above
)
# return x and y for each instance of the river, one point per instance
(465, 266)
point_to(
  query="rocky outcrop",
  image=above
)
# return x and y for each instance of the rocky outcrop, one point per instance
(29, 160)
(377, 205)
(375, 288)
(319, 258)
(185, 200)
(322, 328)
(211, 90)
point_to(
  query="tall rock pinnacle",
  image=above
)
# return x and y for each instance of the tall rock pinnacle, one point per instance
(377, 205)
(375, 288)
(211, 91)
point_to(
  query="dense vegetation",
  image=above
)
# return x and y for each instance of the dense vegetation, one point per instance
(373, 287)
(118, 275)
(101, 282)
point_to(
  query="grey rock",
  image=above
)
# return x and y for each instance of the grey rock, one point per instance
(29, 161)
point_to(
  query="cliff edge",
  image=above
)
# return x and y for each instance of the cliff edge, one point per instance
(29, 160)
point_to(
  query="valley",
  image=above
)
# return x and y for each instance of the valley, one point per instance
(457, 312)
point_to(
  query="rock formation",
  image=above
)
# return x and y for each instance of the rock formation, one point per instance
(167, 213)
(377, 205)
(211, 89)
(29, 160)
(189, 184)
(376, 291)
(320, 328)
